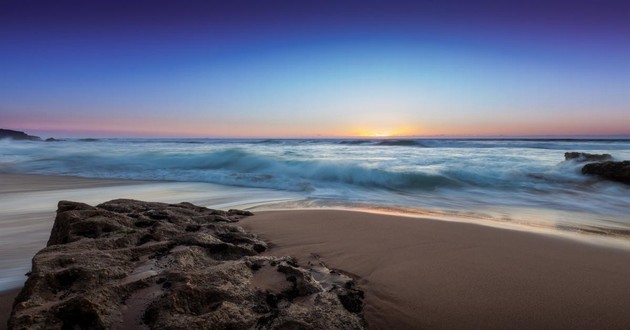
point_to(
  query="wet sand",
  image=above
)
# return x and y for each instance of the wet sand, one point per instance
(420, 273)
(14, 183)
(6, 303)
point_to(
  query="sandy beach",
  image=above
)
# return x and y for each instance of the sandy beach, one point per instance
(417, 273)
(420, 273)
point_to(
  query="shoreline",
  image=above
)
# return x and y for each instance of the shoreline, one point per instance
(615, 236)
(392, 256)
(586, 234)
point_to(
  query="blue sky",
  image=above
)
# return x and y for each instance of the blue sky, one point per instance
(287, 69)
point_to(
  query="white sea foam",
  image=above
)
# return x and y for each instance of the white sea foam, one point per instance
(434, 174)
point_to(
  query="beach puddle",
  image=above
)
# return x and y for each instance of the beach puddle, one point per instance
(269, 278)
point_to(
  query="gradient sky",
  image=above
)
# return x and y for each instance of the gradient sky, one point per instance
(314, 68)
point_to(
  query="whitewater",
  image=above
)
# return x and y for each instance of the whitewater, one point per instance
(519, 181)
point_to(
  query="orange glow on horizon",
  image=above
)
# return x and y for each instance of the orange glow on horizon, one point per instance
(383, 132)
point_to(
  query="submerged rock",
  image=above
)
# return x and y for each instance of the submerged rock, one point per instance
(17, 135)
(616, 171)
(127, 264)
(586, 157)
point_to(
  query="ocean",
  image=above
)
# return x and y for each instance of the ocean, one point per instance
(516, 181)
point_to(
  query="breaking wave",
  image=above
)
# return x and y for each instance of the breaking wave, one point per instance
(233, 167)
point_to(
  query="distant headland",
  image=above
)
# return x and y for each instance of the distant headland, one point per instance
(17, 135)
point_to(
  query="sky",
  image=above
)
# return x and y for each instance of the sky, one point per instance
(315, 68)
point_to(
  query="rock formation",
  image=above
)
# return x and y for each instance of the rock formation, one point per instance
(616, 171)
(17, 135)
(586, 157)
(128, 264)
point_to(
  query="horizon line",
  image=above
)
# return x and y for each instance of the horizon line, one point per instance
(79, 134)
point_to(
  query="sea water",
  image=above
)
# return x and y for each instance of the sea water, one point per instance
(520, 181)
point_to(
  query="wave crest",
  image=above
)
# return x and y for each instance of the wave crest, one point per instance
(234, 167)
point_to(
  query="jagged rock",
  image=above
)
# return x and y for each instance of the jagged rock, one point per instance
(17, 135)
(127, 264)
(586, 157)
(616, 171)
(52, 140)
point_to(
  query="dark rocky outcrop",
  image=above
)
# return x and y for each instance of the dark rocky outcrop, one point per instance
(17, 135)
(52, 140)
(128, 264)
(616, 171)
(586, 157)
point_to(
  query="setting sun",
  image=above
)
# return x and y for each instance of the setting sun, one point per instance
(383, 132)
(373, 133)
